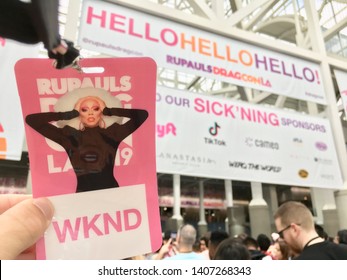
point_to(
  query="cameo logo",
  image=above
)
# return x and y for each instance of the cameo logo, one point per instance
(166, 129)
(321, 146)
(303, 173)
(260, 143)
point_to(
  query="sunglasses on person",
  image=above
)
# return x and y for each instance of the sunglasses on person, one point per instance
(280, 233)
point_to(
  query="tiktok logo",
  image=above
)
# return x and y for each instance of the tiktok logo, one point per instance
(214, 129)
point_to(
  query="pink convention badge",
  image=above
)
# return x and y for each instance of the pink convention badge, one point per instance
(91, 144)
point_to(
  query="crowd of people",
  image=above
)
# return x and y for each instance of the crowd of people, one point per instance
(297, 238)
(220, 246)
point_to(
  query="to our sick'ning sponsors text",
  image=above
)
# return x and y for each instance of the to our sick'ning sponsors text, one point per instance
(238, 111)
(50, 90)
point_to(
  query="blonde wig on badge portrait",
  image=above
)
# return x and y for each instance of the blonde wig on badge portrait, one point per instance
(69, 100)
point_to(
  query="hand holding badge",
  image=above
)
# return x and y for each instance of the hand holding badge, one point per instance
(91, 143)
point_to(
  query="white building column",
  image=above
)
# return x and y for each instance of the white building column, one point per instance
(341, 203)
(323, 199)
(323, 202)
(72, 20)
(259, 212)
(232, 223)
(176, 220)
(270, 196)
(202, 224)
(229, 205)
(318, 45)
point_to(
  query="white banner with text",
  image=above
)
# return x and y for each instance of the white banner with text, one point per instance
(199, 135)
(119, 31)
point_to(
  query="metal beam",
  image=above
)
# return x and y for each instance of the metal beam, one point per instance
(202, 9)
(280, 101)
(331, 32)
(260, 97)
(244, 12)
(260, 14)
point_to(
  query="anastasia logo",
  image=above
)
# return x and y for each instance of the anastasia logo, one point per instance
(321, 146)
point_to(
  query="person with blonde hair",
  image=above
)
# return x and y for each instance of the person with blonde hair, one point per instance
(88, 134)
(294, 223)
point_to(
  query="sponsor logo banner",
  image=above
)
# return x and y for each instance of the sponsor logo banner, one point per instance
(200, 135)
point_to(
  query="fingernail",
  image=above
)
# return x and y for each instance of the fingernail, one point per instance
(45, 206)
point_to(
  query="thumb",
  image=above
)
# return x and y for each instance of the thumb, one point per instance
(22, 225)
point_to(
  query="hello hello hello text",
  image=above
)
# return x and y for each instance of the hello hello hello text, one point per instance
(170, 38)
